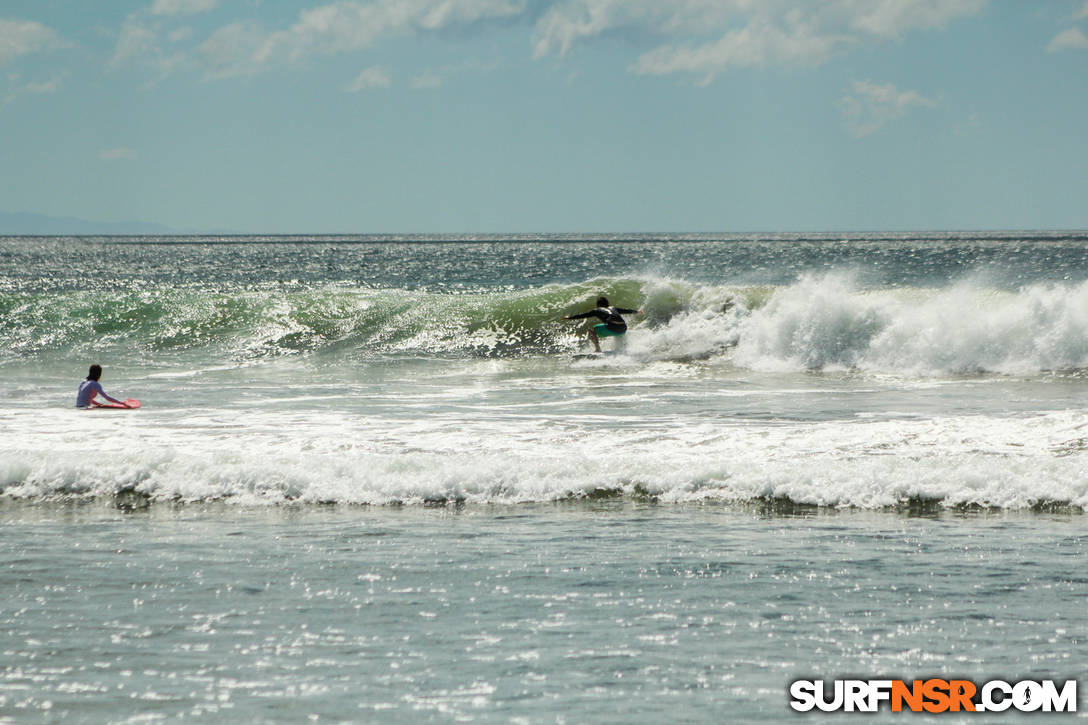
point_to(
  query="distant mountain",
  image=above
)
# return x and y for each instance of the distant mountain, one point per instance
(23, 223)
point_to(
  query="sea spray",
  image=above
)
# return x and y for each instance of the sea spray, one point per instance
(828, 322)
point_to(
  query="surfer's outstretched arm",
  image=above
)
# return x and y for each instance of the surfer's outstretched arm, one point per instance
(99, 391)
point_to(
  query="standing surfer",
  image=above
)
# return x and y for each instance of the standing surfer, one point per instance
(611, 323)
(90, 388)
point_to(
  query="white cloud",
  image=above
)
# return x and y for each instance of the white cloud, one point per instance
(1083, 13)
(182, 7)
(700, 37)
(233, 50)
(570, 22)
(708, 37)
(50, 86)
(342, 26)
(136, 39)
(140, 37)
(118, 154)
(1072, 39)
(893, 18)
(868, 106)
(566, 24)
(16, 87)
(180, 34)
(140, 42)
(368, 79)
(426, 79)
(760, 45)
(22, 37)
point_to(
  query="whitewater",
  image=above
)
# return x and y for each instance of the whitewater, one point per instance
(375, 479)
(880, 371)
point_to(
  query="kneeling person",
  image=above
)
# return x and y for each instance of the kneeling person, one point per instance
(90, 388)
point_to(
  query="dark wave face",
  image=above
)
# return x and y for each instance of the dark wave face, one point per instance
(287, 320)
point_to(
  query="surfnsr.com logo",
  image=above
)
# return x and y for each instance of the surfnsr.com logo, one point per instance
(933, 696)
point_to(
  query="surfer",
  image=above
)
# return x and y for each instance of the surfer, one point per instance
(90, 388)
(611, 323)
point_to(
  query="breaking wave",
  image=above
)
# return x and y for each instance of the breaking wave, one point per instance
(1029, 463)
(825, 322)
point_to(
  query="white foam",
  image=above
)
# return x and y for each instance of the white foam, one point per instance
(687, 322)
(1009, 463)
(828, 322)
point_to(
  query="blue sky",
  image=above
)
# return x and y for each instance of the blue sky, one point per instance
(453, 116)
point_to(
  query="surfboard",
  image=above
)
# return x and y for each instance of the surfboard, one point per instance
(588, 355)
(130, 404)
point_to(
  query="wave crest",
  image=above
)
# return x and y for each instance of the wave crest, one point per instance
(972, 461)
(828, 323)
(825, 322)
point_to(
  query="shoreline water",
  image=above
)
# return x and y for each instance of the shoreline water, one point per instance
(541, 613)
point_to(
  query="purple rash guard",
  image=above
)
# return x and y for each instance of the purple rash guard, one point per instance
(87, 390)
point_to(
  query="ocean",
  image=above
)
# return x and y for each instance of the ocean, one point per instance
(374, 479)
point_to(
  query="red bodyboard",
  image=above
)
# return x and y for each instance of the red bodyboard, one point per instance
(130, 404)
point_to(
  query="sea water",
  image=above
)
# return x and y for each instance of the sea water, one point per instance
(371, 481)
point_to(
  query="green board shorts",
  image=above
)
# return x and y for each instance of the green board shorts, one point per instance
(603, 331)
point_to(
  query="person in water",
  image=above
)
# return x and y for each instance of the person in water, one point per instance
(90, 388)
(611, 323)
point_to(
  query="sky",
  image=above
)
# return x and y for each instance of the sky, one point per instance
(492, 116)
